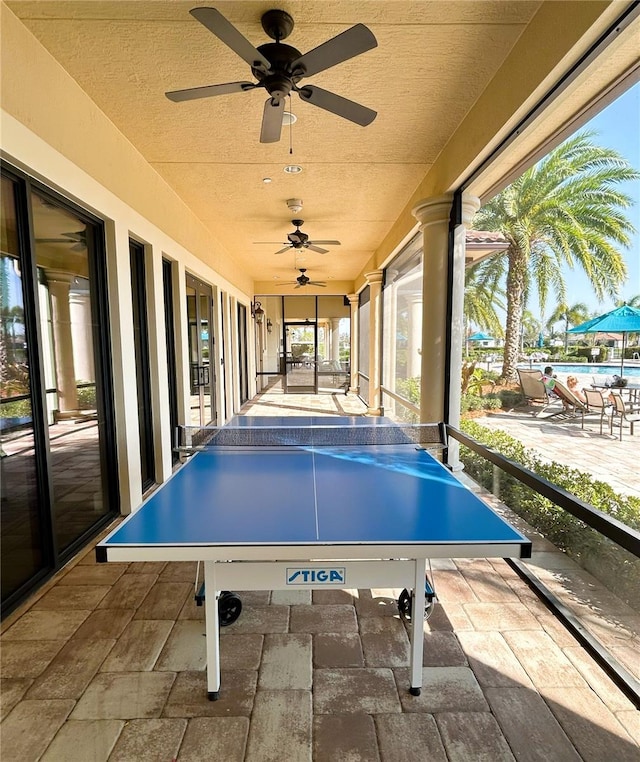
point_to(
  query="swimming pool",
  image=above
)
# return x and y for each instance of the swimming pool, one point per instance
(588, 369)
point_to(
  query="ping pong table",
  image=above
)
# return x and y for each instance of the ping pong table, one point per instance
(273, 503)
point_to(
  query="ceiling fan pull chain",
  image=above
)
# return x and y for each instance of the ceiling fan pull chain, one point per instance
(290, 127)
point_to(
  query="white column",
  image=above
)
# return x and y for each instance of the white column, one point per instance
(470, 205)
(353, 355)
(335, 339)
(433, 215)
(59, 284)
(374, 279)
(81, 332)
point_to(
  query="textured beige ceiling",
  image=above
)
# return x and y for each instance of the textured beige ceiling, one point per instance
(432, 62)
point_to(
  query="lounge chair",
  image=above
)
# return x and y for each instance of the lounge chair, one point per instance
(619, 410)
(570, 403)
(597, 404)
(533, 389)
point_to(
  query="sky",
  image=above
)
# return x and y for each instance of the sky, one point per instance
(617, 127)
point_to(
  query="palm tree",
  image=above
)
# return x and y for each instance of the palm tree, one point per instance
(633, 301)
(570, 315)
(564, 210)
(530, 329)
(482, 294)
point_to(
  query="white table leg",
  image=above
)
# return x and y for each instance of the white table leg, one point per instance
(417, 626)
(212, 631)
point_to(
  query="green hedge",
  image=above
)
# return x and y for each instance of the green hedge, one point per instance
(612, 565)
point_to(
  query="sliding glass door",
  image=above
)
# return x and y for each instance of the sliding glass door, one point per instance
(56, 425)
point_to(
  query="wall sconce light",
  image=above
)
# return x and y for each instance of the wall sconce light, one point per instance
(257, 313)
(269, 325)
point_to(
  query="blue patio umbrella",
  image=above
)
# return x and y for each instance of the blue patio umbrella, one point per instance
(622, 320)
(479, 337)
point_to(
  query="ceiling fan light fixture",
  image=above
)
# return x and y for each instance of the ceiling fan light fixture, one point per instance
(293, 169)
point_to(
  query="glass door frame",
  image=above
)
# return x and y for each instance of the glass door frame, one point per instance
(202, 374)
(137, 257)
(243, 358)
(292, 364)
(169, 325)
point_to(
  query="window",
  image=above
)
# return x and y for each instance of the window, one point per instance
(402, 335)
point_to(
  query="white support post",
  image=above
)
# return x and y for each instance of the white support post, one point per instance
(213, 631)
(417, 626)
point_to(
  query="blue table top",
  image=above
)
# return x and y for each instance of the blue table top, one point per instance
(391, 494)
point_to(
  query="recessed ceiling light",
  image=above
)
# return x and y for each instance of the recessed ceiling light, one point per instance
(293, 169)
(288, 118)
(266, 180)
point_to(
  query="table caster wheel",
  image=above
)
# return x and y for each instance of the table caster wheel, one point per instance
(405, 605)
(229, 608)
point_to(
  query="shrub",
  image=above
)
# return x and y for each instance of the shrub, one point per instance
(87, 398)
(16, 409)
(409, 388)
(615, 567)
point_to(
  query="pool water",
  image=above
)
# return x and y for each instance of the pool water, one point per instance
(591, 370)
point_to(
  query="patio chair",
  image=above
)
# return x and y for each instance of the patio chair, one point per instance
(620, 411)
(533, 389)
(597, 404)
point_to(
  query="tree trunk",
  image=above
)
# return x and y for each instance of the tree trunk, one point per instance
(516, 281)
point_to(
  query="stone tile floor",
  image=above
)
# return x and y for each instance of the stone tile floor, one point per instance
(106, 662)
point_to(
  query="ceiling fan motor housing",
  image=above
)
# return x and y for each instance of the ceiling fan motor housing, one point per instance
(297, 238)
(278, 81)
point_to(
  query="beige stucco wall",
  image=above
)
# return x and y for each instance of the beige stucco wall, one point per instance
(39, 94)
(56, 134)
(555, 40)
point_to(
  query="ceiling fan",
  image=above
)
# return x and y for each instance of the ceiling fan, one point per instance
(77, 238)
(303, 280)
(299, 240)
(279, 68)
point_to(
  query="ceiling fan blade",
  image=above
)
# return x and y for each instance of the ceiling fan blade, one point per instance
(224, 30)
(317, 249)
(207, 91)
(340, 48)
(272, 121)
(317, 283)
(282, 251)
(327, 243)
(336, 104)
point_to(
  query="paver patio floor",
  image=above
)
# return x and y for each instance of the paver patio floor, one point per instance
(106, 662)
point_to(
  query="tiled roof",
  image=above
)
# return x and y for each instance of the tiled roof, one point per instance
(485, 237)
